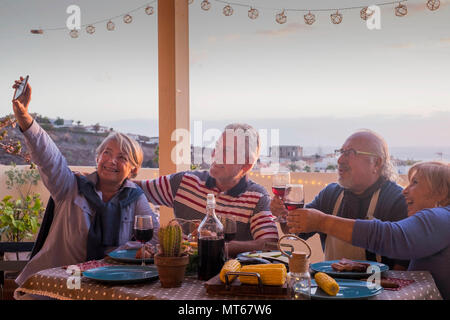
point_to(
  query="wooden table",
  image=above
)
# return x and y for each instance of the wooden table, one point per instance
(57, 283)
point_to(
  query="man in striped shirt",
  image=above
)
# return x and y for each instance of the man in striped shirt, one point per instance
(236, 195)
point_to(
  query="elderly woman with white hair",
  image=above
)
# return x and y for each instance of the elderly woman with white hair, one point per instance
(93, 214)
(423, 237)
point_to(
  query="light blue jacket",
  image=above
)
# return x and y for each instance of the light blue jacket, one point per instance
(67, 239)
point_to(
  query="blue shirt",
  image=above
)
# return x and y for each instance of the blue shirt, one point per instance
(391, 206)
(424, 238)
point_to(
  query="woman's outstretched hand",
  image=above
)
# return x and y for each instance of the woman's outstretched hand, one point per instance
(20, 106)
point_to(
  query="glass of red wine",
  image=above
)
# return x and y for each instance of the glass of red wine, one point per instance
(229, 229)
(279, 182)
(143, 232)
(294, 197)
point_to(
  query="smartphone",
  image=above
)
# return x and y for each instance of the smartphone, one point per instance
(21, 89)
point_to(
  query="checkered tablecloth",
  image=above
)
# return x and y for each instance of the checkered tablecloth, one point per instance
(56, 283)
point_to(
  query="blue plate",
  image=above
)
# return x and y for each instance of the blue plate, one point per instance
(127, 256)
(325, 267)
(122, 274)
(348, 289)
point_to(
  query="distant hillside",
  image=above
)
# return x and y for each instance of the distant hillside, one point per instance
(77, 147)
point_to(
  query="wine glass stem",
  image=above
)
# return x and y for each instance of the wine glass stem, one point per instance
(143, 255)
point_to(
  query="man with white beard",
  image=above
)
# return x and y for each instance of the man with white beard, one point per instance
(366, 189)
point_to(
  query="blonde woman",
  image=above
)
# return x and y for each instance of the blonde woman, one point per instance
(423, 237)
(91, 214)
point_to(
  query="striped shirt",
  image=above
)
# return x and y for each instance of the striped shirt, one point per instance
(186, 192)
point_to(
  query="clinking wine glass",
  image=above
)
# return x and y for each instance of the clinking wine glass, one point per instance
(294, 197)
(279, 182)
(143, 232)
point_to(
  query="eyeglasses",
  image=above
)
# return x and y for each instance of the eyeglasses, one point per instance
(353, 152)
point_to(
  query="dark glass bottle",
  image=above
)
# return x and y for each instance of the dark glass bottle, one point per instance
(211, 243)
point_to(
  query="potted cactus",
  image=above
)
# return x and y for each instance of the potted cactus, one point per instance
(171, 260)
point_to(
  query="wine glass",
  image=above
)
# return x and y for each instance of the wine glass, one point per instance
(143, 232)
(294, 197)
(279, 182)
(229, 229)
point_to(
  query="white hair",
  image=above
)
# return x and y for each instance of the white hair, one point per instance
(381, 149)
(127, 145)
(247, 141)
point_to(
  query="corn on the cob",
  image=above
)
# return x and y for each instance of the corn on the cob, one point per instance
(326, 283)
(229, 266)
(271, 274)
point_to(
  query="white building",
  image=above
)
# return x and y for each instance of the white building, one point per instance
(101, 129)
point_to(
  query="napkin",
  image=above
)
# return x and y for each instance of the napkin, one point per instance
(394, 284)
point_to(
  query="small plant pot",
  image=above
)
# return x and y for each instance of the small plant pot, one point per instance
(171, 270)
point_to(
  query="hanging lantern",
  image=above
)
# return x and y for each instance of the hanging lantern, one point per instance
(366, 13)
(228, 10)
(401, 10)
(253, 13)
(110, 25)
(281, 17)
(149, 10)
(74, 33)
(206, 5)
(309, 18)
(433, 4)
(127, 19)
(336, 18)
(90, 29)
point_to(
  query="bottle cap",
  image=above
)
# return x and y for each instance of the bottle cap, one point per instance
(298, 262)
(210, 199)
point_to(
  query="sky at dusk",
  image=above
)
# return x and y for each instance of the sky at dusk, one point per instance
(394, 80)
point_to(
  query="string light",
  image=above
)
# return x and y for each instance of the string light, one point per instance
(253, 13)
(365, 13)
(401, 10)
(309, 18)
(433, 4)
(127, 19)
(90, 29)
(336, 18)
(228, 10)
(205, 5)
(110, 26)
(149, 10)
(73, 33)
(281, 17)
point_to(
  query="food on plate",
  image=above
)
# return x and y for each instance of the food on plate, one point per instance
(149, 252)
(271, 274)
(244, 260)
(326, 283)
(229, 266)
(385, 283)
(92, 264)
(350, 266)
